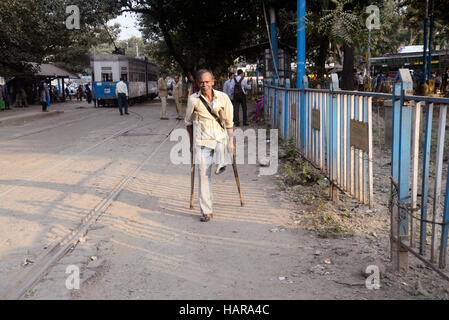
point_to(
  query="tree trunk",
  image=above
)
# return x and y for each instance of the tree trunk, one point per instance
(347, 77)
(165, 33)
(321, 63)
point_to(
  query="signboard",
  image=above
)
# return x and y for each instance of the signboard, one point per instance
(359, 135)
(316, 119)
(294, 111)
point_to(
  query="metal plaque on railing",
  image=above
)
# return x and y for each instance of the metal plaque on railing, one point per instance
(294, 111)
(359, 135)
(316, 119)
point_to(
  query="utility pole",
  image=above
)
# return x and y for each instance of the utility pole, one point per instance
(429, 61)
(424, 60)
(274, 43)
(301, 43)
(369, 54)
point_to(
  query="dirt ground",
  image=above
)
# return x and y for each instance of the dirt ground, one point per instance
(148, 244)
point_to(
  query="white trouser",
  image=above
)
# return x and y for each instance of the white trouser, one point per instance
(205, 158)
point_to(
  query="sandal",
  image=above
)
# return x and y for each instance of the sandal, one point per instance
(206, 217)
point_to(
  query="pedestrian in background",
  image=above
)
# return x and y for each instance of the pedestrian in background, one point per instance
(47, 94)
(5, 96)
(360, 81)
(121, 91)
(20, 95)
(80, 93)
(67, 93)
(240, 85)
(163, 93)
(2, 99)
(444, 81)
(190, 85)
(43, 96)
(177, 96)
(88, 93)
(228, 87)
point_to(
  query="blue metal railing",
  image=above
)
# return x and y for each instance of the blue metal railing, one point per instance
(319, 121)
(410, 219)
(322, 122)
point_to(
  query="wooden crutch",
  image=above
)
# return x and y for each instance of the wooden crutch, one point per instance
(236, 175)
(192, 179)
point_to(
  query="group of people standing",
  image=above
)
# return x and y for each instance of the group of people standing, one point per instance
(9, 91)
(82, 91)
(236, 87)
(177, 95)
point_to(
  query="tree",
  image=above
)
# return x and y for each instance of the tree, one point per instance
(345, 25)
(415, 11)
(197, 33)
(36, 31)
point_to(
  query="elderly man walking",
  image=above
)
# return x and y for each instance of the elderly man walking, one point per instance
(163, 93)
(209, 121)
(177, 96)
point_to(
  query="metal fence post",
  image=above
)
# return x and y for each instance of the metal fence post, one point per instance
(286, 109)
(333, 190)
(400, 167)
(303, 122)
(275, 107)
(425, 177)
(444, 230)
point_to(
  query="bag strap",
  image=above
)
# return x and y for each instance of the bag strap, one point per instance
(210, 111)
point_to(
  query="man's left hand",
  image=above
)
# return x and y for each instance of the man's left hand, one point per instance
(231, 145)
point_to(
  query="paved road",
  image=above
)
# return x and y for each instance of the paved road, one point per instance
(147, 244)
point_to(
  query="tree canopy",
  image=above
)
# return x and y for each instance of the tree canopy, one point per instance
(36, 31)
(197, 33)
(188, 35)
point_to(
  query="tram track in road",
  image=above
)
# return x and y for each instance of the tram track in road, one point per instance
(64, 123)
(60, 124)
(84, 151)
(52, 254)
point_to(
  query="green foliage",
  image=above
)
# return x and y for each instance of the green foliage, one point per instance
(289, 153)
(196, 33)
(35, 31)
(299, 172)
(340, 25)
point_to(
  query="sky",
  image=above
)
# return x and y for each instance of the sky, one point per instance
(127, 22)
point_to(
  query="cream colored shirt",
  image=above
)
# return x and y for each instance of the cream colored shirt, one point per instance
(121, 88)
(162, 86)
(206, 130)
